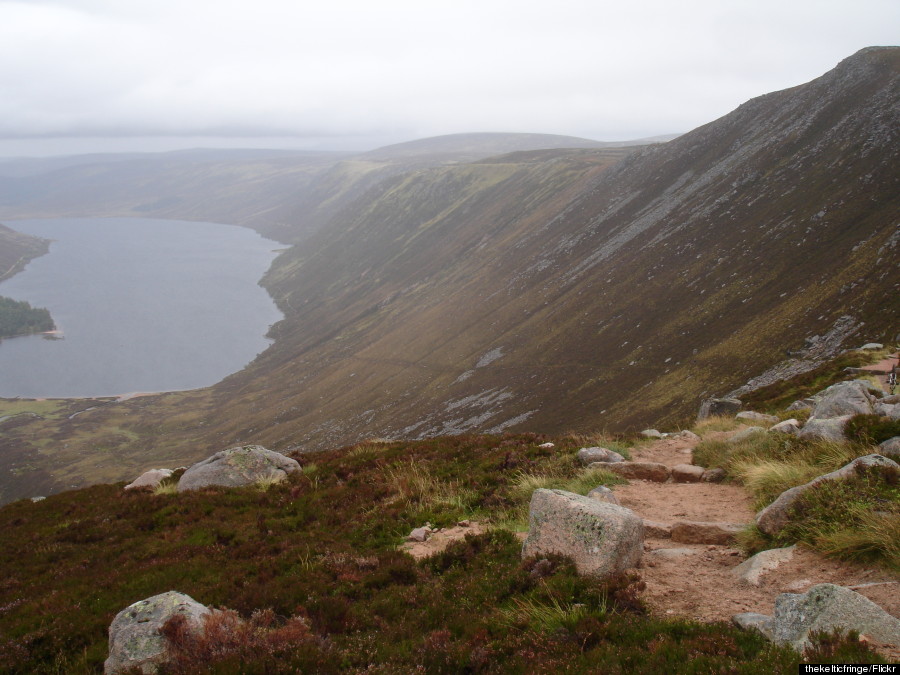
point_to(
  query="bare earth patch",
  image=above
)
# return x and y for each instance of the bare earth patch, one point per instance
(441, 539)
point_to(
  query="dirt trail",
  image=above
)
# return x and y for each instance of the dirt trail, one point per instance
(883, 368)
(696, 581)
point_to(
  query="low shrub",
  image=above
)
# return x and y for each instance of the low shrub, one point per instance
(871, 429)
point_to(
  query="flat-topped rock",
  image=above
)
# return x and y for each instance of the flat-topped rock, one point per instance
(236, 467)
(696, 532)
(687, 473)
(596, 454)
(601, 538)
(652, 471)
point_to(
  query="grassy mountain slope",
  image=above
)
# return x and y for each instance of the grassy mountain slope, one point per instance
(16, 249)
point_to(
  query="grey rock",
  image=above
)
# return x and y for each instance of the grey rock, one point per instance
(790, 426)
(651, 433)
(893, 399)
(843, 398)
(802, 404)
(694, 532)
(603, 494)
(150, 478)
(719, 406)
(37, 499)
(756, 417)
(776, 515)
(653, 471)
(890, 410)
(872, 345)
(603, 539)
(419, 534)
(744, 434)
(754, 621)
(829, 429)
(890, 447)
(826, 607)
(716, 475)
(753, 568)
(134, 638)
(688, 435)
(239, 466)
(687, 473)
(595, 454)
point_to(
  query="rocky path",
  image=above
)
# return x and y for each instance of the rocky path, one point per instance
(698, 580)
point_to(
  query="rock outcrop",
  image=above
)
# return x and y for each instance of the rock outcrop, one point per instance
(134, 637)
(776, 515)
(719, 406)
(843, 398)
(236, 467)
(603, 539)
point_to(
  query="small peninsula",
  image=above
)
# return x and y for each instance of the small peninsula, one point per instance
(18, 317)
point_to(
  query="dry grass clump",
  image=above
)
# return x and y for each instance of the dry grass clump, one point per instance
(166, 487)
(414, 483)
(716, 423)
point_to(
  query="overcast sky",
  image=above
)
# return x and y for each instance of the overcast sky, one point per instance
(85, 75)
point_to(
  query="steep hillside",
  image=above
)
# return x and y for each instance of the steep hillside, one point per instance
(559, 295)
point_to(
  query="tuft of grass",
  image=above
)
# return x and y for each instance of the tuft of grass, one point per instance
(767, 479)
(716, 423)
(265, 483)
(414, 483)
(166, 487)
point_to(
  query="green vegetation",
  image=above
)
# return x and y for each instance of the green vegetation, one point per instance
(309, 567)
(871, 429)
(18, 317)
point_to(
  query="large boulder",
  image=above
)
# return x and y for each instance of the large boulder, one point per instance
(776, 515)
(134, 637)
(590, 455)
(149, 479)
(235, 467)
(844, 398)
(603, 539)
(826, 428)
(827, 608)
(719, 406)
(890, 447)
(687, 473)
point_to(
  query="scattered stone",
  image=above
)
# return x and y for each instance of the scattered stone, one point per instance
(872, 346)
(239, 466)
(687, 473)
(843, 398)
(546, 445)
(802, 404)
(653, 471)
(754, 621)
(827, 608)
(756, 417)
(716, 475)
(694, 532)
(790, 426)
(890, 447)
(651, 433)
(590, 455)
(134, 638)
(719, 406)
(419, 534)
(753, 568)
(776, 515)
(830, 429)
(744, 434)
(656, 530)
(604, 494)
(150, 478)
(687, 435)
(602, 539)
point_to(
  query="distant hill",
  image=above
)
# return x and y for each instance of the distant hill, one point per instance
(16, 249)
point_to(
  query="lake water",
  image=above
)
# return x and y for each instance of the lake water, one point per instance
(144, 305)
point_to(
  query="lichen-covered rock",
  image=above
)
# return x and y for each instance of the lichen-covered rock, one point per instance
(603, 494)
(236, 467)
(754, 567)
(601, 538)
(149, 479)
(134, 637)
(653, 471)
(843, 398)
(754, 621)
(687, 473)
(776, 515)
(718, 406)
(827, 608)
(791, 427)
(756, 417)
(829, 428)
(890, 447)
(595, 454)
